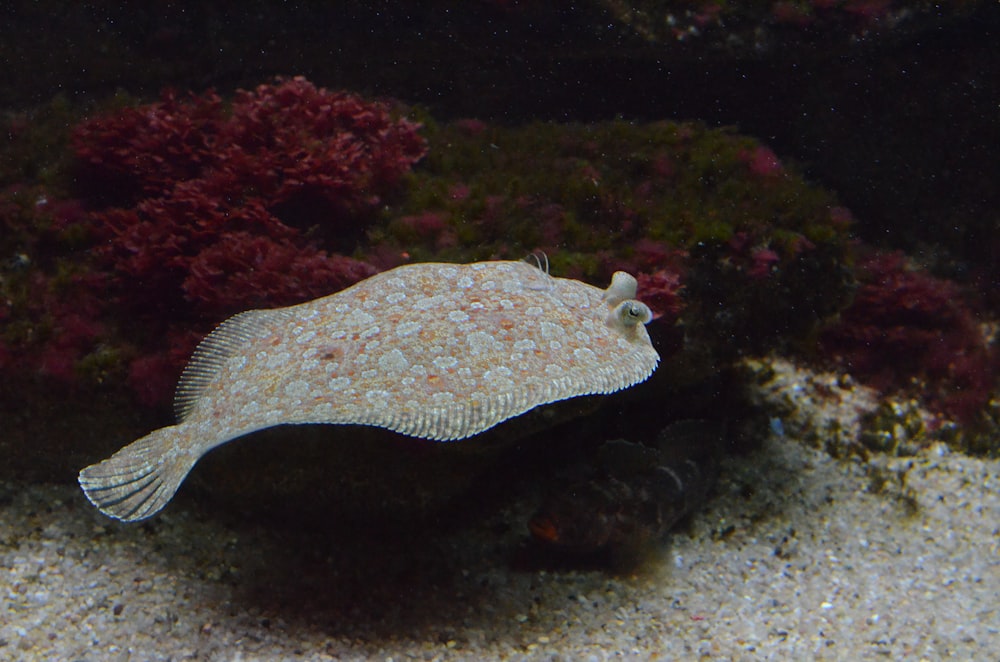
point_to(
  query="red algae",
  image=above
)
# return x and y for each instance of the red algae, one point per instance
(202, 208)
(906, 328)
(661, 291)
(762, 161)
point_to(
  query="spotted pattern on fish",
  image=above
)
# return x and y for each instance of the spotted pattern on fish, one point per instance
(438, 351)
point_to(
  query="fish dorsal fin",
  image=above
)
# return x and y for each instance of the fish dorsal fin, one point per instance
(227, 340)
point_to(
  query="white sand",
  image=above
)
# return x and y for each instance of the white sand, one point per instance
(793, 559)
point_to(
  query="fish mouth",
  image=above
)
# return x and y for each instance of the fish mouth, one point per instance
(544, 528)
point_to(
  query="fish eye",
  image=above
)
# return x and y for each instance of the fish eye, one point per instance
(633, 312)
(639, 312)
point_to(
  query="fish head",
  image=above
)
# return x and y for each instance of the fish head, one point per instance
(579, 521)
(625, 314)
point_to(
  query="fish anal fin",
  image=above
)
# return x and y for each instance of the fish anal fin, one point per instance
(229, 339)
(139, 480)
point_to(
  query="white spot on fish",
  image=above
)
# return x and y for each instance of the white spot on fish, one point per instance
(445, 362)
(551, 330)
(276, 360)
(499, 378)
(361, 318)
(480, 341)
(393, 361)
(339, 383)
(442, 398)
(378, 397)
(297, 389)
(408, 329)
(435, 302)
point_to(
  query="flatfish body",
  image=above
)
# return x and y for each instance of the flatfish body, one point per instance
(634, 493)
(437, 351)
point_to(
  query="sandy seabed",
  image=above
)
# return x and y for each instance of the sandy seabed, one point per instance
(795, 558)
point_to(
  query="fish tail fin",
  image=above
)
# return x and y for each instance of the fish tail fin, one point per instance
(139, 480)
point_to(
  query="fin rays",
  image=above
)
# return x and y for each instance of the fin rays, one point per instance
(130, 505)
(139, 480)
(227, 340)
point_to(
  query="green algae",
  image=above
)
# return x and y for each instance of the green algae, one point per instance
(706, 202)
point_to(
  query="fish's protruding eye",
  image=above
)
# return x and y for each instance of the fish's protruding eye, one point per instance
(637, 311)
(631, 313)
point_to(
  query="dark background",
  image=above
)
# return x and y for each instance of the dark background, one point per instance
(901, 120)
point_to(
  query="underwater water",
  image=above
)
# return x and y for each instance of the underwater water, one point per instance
(803, 195)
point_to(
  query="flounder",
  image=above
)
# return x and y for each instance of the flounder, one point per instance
(635, 493)
(432, 350)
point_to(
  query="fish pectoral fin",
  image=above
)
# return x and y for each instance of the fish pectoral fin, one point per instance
(139, 480)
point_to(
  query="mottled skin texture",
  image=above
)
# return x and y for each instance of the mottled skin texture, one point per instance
(438, 351)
